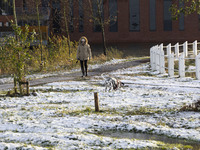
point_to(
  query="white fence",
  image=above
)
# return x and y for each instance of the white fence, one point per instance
(158, 53)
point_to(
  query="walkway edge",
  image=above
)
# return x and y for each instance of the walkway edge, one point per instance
(71, 76)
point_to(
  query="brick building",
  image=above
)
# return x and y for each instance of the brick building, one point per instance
(26, 14)
(6, 14)
(136, 21)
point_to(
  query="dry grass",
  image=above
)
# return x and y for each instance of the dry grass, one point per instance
(56, 57)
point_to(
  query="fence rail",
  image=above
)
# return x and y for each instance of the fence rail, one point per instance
(159, 53)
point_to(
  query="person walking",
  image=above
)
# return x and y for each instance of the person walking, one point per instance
(84, 54)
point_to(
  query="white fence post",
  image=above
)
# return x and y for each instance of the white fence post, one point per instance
(169, 49)
(198, 67)
(182, 65)
(195, 48)
(153, 62)
(171, 65)
(154, 58)
(151, 57)
(177, 50)
(185, 48)
(162, 59)
(157, 58)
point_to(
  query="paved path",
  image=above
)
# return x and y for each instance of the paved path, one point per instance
(74, 76)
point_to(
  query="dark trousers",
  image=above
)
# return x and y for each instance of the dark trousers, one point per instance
(84, 67)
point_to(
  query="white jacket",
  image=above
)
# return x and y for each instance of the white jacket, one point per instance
(83, 51)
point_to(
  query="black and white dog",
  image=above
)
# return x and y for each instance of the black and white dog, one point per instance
(111, 83)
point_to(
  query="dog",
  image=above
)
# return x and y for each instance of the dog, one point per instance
(111, 83)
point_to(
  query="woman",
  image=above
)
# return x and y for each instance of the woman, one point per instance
(84, 54)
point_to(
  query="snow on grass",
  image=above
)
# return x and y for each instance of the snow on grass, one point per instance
(62, 115)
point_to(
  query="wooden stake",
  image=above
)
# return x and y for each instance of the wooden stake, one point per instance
(96, 102)
(20, 88)
(27, 88)
(15, 85)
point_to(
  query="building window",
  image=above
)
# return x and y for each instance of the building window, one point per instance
(6, 7)
(113, 15)
(167, 15)
(81, 16)
(1, 24)
(199, 21)
(7, 24)
(152, 17)
(134, 8)
(181, 17)
(45, 3)
(71, 16)
(24, 5)
(98, 15)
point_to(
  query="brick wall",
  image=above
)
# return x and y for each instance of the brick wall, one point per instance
(190, 33)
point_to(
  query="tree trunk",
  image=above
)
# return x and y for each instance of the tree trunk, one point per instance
(40, 33)
(14, 13)
(104, 42)
(103, 37)
(15, 18)
(101, 21)
(67, 30)
(18, 74)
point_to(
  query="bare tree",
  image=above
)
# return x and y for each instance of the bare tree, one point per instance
(61, 17)
(67, 10)
(37, 3)
(14, 12)
(35, 16)
(99, 18)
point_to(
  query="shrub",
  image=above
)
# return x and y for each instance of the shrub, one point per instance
(15, 52)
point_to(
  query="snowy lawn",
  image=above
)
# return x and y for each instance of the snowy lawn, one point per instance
(62, 115)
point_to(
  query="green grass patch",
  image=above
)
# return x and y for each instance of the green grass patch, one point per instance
(61, 112)
(64, 112)
(147, 111)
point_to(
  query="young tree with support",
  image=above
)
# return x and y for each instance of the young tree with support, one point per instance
(16, 51)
